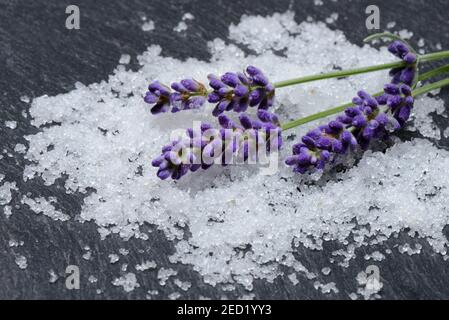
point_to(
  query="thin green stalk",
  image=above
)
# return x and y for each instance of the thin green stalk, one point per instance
(341, 108)
(344, 73)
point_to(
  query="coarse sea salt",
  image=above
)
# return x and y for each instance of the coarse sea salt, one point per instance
(241, 224)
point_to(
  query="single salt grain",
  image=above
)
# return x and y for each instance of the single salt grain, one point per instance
(391, 24)
(113, 258)
(123, 251)
(20, 148)
(11, 124)
(148, 26)
(124, 59)
(293, 278)
(87, 255)
(326, 271)
(53, 276)
(128, 282)
(25, 99)
(181, 26)
(92, 279)
(21, 262)
(174, 296)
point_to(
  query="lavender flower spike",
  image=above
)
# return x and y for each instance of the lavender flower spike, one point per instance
(204, 146)
(404, 74)
(188, 94)
(237, 91)
(371, 118)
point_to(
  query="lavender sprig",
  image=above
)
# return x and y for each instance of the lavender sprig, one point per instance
(358, 126)
(237, 91)
(208, 145)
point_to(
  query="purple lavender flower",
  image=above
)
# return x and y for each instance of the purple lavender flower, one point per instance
(188, 94)
(403, 74)
(370, 118)
(204, 146)
(237, 91)
(159, 95)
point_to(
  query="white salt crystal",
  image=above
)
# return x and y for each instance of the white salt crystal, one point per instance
(376, 256)
(5, 192)
(113, 258)
(25, 99)
(293, 278)
(92, 279)
(446, 133)
(20, 148)
(148, 26)
(438, 46)
(421, 42)
(53, 276)
(405, 34)
(188, 16)
(7, 210)
(123, 251)
(163, 274)
(11, 124)
(181, 26)
(391, 24)
(21, 262)
(332, 18)
(183, 285)
(124, 59)
(326, 271)
(43, 206)
(128, 282)
(174, 296)
(87, 255)
(146, 265)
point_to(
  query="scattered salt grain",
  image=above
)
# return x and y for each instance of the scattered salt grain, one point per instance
(92, 279)
(148, 26)
(326, 288)
(20, 148)
(326, 271)
(128, 282)
(113, 258)
(391, 24)
(53, 276)
(181, 26)
(174, 296)
(123, 251)
(163, 274)
(146, 265)
(25, 99)
(5, 192)
(376, 256)
(183, 285)
(124, 59)
(21, 262)
(293, 279)
(332, 18)
(405, 34)
(11, 124)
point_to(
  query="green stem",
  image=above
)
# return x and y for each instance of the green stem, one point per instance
(341, 108)
(343, 73)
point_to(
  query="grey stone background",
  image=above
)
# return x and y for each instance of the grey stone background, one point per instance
(38, 55)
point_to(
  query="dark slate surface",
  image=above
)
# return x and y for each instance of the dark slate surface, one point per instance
(38, 55)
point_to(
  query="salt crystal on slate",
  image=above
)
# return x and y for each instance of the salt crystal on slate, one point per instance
(128, 282)
(21, 262)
